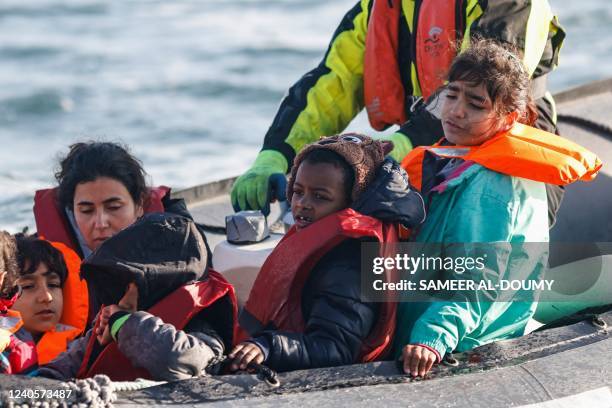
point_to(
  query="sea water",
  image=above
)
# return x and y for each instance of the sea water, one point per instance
(190, 86)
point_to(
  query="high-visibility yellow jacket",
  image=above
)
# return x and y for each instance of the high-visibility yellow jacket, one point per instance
(326, 99)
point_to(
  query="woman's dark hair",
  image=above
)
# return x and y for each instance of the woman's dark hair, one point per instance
(88, 161)
(503, 74)
(31, 252)
(327, 156)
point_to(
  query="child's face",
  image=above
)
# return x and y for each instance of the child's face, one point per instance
(102, 208)
(467, 114)
(318, 191)
(41, 300)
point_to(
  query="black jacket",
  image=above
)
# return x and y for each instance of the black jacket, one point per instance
(172, 207)
(336, 317)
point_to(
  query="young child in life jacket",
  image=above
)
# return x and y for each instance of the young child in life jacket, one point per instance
(37, 305)
(305, 309)
(167, 316)
(484, 182)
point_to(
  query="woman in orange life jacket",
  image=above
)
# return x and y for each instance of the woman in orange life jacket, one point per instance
(490, 189)
(137, 264)
(306, 309)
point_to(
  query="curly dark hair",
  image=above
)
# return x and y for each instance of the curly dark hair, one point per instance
(88, 161)
(33, 251)
(502, 72)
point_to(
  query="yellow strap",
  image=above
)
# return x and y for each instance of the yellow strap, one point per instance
(473, 12)
(536, 34)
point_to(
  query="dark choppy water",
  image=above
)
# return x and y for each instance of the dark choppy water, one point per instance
(191, 86)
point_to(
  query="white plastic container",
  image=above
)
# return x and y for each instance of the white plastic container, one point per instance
(240, 264)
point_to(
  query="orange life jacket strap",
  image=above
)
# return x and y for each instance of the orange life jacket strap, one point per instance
(383, 88)
(436, 36)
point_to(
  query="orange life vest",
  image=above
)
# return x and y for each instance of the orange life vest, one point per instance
(287, 268)
(522, 151)
(74, 312)
(436, 34)
(71, 324)
(176, 309)
(51, 221)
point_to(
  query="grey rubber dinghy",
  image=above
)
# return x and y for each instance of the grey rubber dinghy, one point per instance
(565, 361)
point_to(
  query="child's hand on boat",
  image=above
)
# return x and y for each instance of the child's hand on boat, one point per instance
(245, 353)
(103, 331)
(418, 359)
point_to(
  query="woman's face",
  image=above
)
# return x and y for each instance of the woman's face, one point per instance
(468, 118)
(102, 208)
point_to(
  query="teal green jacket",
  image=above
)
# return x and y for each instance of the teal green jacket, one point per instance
(479, 205)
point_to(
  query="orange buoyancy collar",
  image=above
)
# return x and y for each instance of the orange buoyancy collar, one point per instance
(436, 34)
(287, 270)
(74, 312)
(177, 309)
(523, 151)
(52, 223)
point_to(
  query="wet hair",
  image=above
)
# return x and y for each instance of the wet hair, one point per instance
(8, 263)
(503, 74)
(327, 156)
(88, 161)
(33, 251)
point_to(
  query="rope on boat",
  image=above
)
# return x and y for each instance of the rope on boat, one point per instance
(96, 392)
(215, 229)
(587, 123)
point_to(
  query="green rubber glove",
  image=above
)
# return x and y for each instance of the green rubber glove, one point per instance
(401, 146)
(264, 181)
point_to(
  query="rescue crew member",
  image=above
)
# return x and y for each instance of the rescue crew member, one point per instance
(484, 182)
(305, 308)
(383, 56)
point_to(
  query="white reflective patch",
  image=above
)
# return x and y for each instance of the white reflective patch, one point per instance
(449, 151)
(599, 397)
(8, 323)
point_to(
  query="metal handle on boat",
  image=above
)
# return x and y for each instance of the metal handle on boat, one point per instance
(268, 375)
(450, 361)
(599, 322)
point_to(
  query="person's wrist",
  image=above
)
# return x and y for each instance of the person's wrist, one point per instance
(116, 321)
(273, 160)
(433, 350)
(401, 146)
